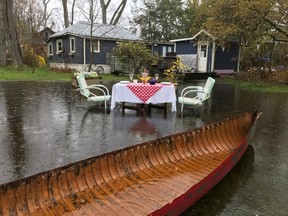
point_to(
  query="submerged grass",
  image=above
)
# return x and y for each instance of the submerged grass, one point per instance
(257, 86)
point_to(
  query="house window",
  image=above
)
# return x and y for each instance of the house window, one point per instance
(166, 49)
(72, 45)
(95, 46)
(59, 46)
(50, 49)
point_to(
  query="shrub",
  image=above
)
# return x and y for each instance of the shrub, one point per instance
(31, 58)
(256, 75)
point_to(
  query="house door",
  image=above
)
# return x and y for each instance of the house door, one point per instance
(202, 57)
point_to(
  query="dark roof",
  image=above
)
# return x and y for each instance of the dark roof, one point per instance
(47, 29)
(109, 32)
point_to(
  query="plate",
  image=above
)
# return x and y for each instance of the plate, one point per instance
(124, 82)
(166, 83)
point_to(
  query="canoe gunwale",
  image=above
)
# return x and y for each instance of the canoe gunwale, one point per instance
(139, 162)
(181, 203)
(186, 200)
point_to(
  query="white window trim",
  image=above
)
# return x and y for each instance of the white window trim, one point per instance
(57, 46)
(92, 48)
(71, 39)
(50, 49)
(166, 49)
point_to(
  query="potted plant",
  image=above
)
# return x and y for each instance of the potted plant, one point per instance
(173, 73)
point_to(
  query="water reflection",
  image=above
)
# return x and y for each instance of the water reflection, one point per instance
(15, 135)
(226, 189)
(44, 125)
(142, 126)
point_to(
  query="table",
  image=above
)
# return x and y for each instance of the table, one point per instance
(158, 94)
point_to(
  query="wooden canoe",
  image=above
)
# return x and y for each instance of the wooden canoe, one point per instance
(159, 177)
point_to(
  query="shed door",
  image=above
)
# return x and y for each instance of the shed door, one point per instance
(202, 57)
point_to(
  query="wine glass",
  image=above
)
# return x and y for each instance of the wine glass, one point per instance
(156, 76)
(131, 75)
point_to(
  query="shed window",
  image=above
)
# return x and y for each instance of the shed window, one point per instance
(203, 52)
(95, 46)
(59, 46)
(50, 49)
(166, 49)
(72, 45)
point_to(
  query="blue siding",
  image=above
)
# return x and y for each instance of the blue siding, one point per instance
(99, 58)
(158, 48)
(223, 60)
(227, 59)
(185, 47)
(65, 56)
(78, 57)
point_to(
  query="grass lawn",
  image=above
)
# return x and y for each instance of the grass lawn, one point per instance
(44, 74)
(25, 73)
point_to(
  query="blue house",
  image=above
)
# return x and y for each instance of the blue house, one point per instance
(78, 44)
(200, 54)
(72, 46)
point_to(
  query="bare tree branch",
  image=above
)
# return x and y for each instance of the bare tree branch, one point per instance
(117, 14)
(104, 7)
(72, 11)
(65, 12)
(276, 26)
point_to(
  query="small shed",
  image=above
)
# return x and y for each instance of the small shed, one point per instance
(201, 54)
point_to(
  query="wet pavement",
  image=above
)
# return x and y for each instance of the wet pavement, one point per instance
(45, 125)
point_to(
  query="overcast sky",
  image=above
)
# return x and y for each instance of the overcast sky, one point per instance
(56, 5)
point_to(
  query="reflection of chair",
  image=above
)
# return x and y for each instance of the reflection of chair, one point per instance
(103, 91)
(195, 95)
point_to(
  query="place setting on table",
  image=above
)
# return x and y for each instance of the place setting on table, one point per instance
(148, 93)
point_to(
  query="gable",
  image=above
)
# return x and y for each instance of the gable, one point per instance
(200, 33)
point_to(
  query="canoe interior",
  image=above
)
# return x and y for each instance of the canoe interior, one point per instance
(164, 176)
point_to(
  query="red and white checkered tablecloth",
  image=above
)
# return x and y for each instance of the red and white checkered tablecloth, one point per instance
(144, 92)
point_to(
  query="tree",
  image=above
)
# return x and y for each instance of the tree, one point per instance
(258, 24)
(31, 16)
(10, 38)
(65, 13)
(196, 14)
(2, 36)
(160, 20)
(73, 11)
(136, 55)
(117, 13)
(91, 15)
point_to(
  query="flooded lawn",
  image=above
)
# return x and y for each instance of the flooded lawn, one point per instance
(45, 125)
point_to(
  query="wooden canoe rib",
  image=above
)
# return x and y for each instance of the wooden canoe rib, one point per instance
(160, 177)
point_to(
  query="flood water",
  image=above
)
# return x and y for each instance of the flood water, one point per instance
(45, 125)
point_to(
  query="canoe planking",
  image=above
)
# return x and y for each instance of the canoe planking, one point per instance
(159, 177)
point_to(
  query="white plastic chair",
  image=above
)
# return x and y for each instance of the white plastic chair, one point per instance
(92, 97)
(195, 95)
